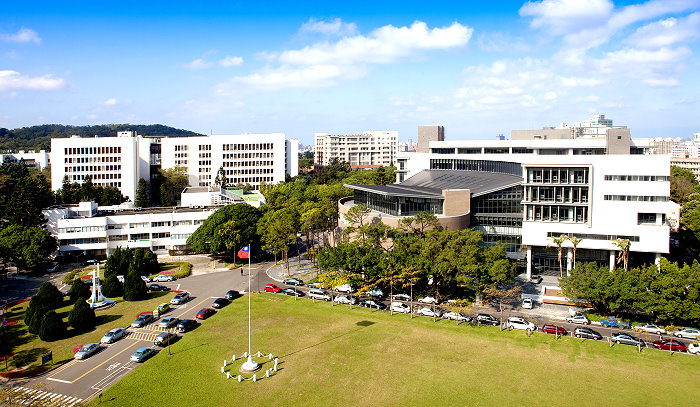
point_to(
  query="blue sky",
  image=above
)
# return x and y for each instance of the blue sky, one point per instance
(303, 67)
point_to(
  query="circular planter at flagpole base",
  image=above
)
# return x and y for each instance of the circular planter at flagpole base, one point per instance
(250, 366)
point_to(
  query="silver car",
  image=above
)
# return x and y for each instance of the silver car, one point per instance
(87, 350)
(113, 335)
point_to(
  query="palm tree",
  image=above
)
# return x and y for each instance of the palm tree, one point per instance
(574, 242)
(558, 242)
(623, 256)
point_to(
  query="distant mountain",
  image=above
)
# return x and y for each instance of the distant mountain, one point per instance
(39, 137)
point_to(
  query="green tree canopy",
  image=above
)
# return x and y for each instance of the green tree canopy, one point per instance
(27, 246)
(82, 316)
(52, 327)
(216, 236)
(142, 199)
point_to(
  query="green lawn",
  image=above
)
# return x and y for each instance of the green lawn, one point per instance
(338, 357)
(28, 348)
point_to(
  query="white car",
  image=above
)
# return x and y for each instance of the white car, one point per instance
(344, 288)
(457, 316)
(315, 285)
(113, 335)
(654, 329)
(146, 279)
(401, 297)
(690, 333)
(527, 303)
(180, 298)
(343, 299)
(520, 323)
(428, 300)
(579, 319)
(162, 278)
(428, 312)
(400, 307)
(317, 294)
(694, 348)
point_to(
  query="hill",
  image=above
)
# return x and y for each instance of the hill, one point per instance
(39, 137)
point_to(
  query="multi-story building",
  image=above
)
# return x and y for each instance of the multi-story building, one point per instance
(524, 193)
(121, 161)
(371, 149)
(38, 160)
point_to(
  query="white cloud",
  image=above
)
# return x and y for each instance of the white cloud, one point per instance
(231, 61)
(573, 81)
(24, 35)
(110, 102)
(11, 80)
(198, 63)
(316, 76)
(563, 16)
(500, 42)
(333, 27)
(662, 82)
(666, 32)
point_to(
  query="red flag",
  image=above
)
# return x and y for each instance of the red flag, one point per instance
(244, 252)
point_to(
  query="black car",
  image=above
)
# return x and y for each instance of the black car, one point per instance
(487, 319)
(293, 292)
(186, 325)
(372, 304)
(165, 338)
(220, 303)
(157, 287)
(588, 333)
(232, 294)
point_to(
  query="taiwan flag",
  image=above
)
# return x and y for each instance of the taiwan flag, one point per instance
(244, 252)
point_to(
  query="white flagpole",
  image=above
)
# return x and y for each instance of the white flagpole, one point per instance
(250, 365)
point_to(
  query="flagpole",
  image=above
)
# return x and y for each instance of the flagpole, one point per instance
(250, 365)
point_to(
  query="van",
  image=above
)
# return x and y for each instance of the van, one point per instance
(319, 294)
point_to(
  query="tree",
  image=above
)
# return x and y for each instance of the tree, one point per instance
(420, 223)
(506, 296)
(33, 314)
(221, 180)
(175, 181)
(24, 193)
(79, 290)
(592, 283)
(134, 286)
(164, 196)
(49, 295)
(623, 255)
(683, 184)
(81, 316)
(112, 287)
(142, 194)
(207, 237)
(558, 242)
(574, 244)
(52, 327)
(27, 246)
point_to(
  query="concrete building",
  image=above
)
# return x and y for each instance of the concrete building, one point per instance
(33, 159)
(371, 149)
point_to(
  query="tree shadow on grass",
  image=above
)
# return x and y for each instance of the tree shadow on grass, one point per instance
(104, 319)
(361, 325)
(27, 357)
(156, 294)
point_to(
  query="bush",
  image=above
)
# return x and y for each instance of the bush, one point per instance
(79, 290)
(52, 327)
(34, 313)
(82, 316)
(70, 277)
(134, 286)
(50, 295)
(111, 287)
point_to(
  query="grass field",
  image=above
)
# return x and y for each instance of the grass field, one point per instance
(27, 348)
(338, 357)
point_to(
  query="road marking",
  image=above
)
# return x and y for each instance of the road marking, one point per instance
(178, 287)
(64, 367)
(33, 395)
(91, 370)
(58, 380)
(194, 306)
(116, 375)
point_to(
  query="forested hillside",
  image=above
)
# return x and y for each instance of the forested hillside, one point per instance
(39, 137)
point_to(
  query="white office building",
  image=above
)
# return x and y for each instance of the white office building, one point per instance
(371, 149)
(33, 159)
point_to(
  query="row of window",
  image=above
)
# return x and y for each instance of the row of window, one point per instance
(248, 171)
(254, 146)
(651, 218)
(80, 177)
(556, 194)
(92, 150)
(85, 240)
(556, 213)
(635, 198)
(637, 178)
(96, 168)
(81, 229)
(238, 156)
(501, 167)
(203, 147)
(591, 236)
(181, 147)
(154, 224)
(82, 160)
(557, 175)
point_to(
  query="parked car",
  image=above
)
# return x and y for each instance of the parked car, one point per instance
(579, 319)
(520, 323)
(205, 313)
(613, 322)
(219, 303)
(180, 298)
(142, 320)
(694, 348)
(232, 294)
(535, 279)
(625, 339)
(293, 281)
(186, 325)
(271, 288)
(376, 293)
(344, 299)
(428, 312)
(163, 278)
(161, 309)
(165, 338)
(401, 297)
(487, 319)
(372, 304)
(142, 354)
(553, 329)
(587, 333)
(168, 322)
(654, 329)
(146, 279)
(113, 335)
(400, 307)
(428, 300)
(157, 287)
(293, 292)
(665, 344)
(690, 333)
(319, 294)
(458, 316)
(527, 303)
(87, 350)
(315, 284)
(120, 278)
(344, 288)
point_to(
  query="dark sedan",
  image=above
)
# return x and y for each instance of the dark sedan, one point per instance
(220, 303)
(186, 325)
(232, 294)
(487, 319)
(142, 320)
(587, 333)
(157, 287)
(293, 292)
(372, 304)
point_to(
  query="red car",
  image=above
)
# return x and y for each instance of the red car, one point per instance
(553, 329)
(204, 313)
(271, 288)
(669, 343)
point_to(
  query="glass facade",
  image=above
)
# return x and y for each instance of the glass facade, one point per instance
(500, 167)
(557, 194)
(398, 205)
(499, 215)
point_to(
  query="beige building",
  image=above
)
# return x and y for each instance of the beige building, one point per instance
(692, 164)
(370, 149)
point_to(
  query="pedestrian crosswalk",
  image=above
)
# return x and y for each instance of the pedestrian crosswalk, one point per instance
(28, 396)
(141, 336)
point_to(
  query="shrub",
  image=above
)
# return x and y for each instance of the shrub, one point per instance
(70, 277)
(79, 290)
(34, 313)
(111, 287)
(50, 295)
(81, 316)
(134, 287)
(52, 327)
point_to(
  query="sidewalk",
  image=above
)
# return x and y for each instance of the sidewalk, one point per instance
(303, 270)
